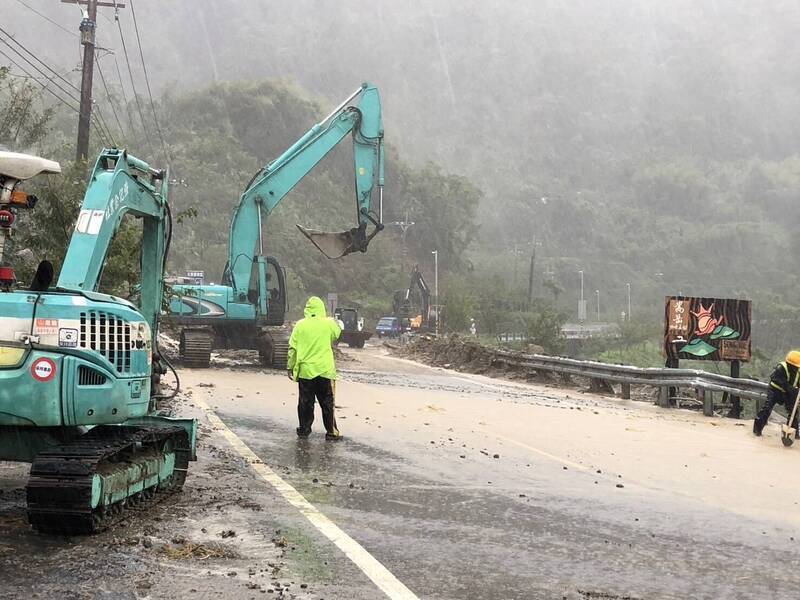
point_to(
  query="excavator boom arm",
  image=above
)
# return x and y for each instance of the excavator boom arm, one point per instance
(270, 186)
(120, 184)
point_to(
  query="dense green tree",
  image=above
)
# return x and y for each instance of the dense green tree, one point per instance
(23, 123)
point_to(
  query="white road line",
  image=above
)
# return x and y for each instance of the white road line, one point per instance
(369, 565)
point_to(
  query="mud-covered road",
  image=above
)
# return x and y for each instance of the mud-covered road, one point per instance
(459, 485)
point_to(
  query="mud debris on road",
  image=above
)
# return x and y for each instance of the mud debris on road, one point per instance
(184, 547)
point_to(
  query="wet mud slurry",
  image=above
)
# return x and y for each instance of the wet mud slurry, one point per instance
(224, 536)
(460, 485)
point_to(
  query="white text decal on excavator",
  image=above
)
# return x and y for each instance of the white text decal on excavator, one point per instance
(90, 221)
(118, 199)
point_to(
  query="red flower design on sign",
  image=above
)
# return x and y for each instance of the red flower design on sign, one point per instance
(706, 322)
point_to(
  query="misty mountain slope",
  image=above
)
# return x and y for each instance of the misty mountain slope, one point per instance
(544, 83)
(663, 134)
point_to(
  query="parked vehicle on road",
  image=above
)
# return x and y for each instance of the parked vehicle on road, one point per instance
(388, 327)
(353, 333)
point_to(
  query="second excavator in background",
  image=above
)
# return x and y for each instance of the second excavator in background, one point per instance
(412, 306)
(247, 310)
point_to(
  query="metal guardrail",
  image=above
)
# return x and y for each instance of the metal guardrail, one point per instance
(626, 374)
(511, 337)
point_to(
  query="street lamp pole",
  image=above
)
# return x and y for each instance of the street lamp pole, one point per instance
(597, 293)
(628, 285)
(581, 304)
(516, 254)
(530, 272)
(436, 286)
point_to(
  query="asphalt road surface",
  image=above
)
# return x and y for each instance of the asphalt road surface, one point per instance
(467, 487)
(446, 485)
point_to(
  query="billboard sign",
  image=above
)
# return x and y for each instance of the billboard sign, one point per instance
(707, 328)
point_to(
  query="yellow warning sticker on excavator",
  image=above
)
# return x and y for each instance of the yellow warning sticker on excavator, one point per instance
(10, 356)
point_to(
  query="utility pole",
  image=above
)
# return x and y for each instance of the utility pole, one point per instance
(88, 30)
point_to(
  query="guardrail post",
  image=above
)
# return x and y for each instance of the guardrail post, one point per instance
(707, 398)
(672, 363)
(600, 386)
(663, 397)
(625, 393)
(736, 403)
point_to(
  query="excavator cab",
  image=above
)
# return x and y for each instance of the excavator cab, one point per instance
(276, 292)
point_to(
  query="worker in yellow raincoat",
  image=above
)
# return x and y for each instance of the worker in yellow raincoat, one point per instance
(312, 366)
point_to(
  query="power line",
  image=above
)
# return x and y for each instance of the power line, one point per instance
(133, 83)
(49, 78)
(39, 60)
(105, 125)
(29, 76)
(100, 123)
(147, 82)
(108, 96)
(101, 126)
(124, 95)
(46, 18)
(47, 89)
(104, 134)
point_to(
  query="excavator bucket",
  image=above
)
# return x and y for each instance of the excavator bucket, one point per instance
(337, 245)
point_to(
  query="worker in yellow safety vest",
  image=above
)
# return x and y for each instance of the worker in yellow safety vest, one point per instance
(311, 364)
(783, 386)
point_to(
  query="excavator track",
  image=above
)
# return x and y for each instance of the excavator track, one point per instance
(280, 354)
(275, 348)
(195, 348)
(100, 478)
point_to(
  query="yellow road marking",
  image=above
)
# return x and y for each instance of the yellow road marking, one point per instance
(369, 565)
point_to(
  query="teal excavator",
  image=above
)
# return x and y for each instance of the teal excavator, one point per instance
(77, 366)
(246, 311)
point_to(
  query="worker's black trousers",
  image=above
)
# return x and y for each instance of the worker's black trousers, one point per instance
(319, 388)
(772, 400)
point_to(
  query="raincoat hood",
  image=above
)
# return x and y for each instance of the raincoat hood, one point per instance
(315, 307)
(310, 352)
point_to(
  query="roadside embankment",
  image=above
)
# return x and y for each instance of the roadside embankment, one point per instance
(461, 354)
(467, 355)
